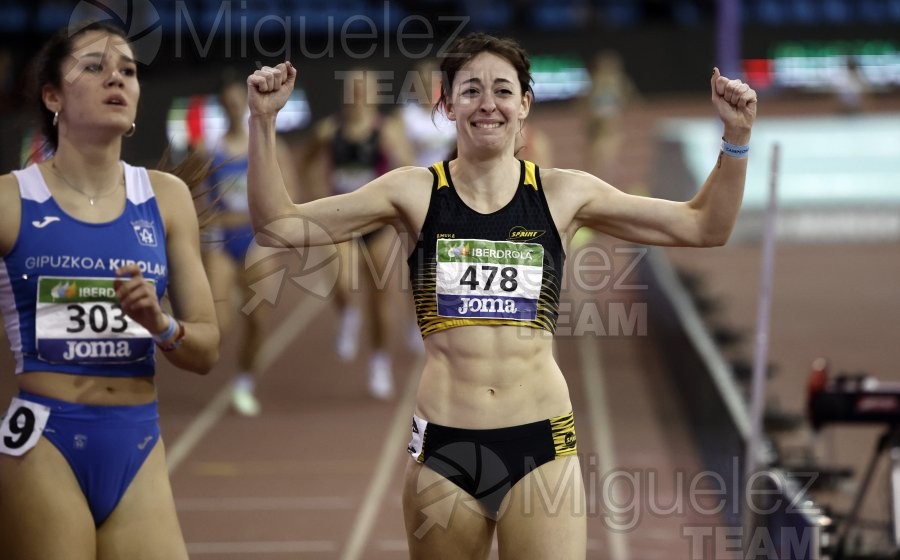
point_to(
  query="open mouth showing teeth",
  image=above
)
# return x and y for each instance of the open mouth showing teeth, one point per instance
(115, 102)
(487, 125)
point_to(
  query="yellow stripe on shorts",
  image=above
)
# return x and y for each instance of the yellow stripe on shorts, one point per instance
(563, 429)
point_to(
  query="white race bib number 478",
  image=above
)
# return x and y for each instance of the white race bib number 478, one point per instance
(22, 426)
(481, 279)
(78, 320)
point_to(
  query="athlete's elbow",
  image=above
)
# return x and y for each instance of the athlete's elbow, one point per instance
(711, 230)
(715, 238)
(718, 242)
(204, 362)
(278, 233)
(265, 238)
(205, 358)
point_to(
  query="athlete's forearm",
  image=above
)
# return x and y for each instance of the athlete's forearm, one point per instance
(198, 350)
(719, 199)
(267, 196)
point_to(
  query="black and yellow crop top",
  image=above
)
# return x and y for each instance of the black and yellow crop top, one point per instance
(502, 268)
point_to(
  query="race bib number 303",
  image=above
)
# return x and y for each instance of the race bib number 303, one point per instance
(78, 320)
(481, 279)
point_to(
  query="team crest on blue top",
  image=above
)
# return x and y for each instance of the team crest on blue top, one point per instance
(145, 232)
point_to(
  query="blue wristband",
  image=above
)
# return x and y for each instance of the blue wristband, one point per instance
(734, 150)
(168, 333)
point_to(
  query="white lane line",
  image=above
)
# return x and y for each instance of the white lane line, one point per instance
(202, 424)
(320, 503)
(400, 545)
(601, 427)
(281, 337)
(391, 452)
(260, 547)
(287, 331)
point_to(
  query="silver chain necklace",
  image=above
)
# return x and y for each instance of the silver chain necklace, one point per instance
(90, 198)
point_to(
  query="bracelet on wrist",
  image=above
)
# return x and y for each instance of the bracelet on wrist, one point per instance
(172, 337)
(735, 150)
(169, 331)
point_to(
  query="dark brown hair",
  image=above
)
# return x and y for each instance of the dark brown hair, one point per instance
(47, 70)
(231, 76)
(468, 47)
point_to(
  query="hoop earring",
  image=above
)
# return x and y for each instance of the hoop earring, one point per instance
(55, 118)
(130, 132)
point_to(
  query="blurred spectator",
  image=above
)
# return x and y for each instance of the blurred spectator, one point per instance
(353, 147)
(431, 136)
(611, 90)
(233, 262)
(533, 144)
(851, 88)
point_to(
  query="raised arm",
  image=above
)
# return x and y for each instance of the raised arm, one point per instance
(718, 202)
(275, 217)
(708, 218)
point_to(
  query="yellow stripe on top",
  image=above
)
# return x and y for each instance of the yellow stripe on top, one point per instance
(531, 175)
(442, 177)
(563, 429)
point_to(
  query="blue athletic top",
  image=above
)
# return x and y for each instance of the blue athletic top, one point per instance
(56, 284)
(228, 177)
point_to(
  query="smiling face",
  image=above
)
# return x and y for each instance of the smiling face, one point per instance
(99, 89)
(488, 104)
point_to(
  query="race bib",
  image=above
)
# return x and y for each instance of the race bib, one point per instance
(480, 279)
(78, 320)
(22, 426)
(415, 446)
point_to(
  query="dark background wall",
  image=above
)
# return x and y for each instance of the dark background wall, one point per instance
(667, 47)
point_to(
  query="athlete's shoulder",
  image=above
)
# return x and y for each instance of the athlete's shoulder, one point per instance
(164, 181)
(406, 178)
(556, 174)
(556, 178)
(10, 211)
(571, 186)
(410, 173)
(405, 184)
(171, 192)
(9, 190)
(8, 182)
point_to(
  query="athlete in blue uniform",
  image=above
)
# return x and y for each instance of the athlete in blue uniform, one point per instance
(232, 261)
(89, 245)
(493, 445)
